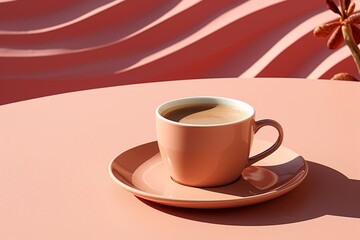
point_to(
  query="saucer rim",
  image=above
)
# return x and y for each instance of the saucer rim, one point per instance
(180, 202)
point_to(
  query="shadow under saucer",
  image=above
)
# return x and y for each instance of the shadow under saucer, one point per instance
(325, 191)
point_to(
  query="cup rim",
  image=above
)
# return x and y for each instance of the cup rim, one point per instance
(211, 99)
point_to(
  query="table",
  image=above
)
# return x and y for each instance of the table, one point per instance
(55, 152)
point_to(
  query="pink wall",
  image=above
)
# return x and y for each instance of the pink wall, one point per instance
(50, 47)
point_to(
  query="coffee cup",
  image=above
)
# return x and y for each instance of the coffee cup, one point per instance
(205, 141)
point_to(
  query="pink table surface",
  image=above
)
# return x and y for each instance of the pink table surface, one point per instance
(55, 152)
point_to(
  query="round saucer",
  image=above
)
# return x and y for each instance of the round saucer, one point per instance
(140, 170)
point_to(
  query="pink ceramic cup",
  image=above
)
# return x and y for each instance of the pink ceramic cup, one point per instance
(209, 155)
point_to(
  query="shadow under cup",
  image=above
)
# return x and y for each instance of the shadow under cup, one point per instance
(205, 141)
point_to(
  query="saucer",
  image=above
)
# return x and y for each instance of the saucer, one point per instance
(140, 171)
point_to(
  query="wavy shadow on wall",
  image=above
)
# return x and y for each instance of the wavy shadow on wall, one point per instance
(72, 45)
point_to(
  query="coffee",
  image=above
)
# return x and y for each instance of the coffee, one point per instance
(205, 114)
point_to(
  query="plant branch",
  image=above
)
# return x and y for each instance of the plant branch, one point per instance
(349, 39)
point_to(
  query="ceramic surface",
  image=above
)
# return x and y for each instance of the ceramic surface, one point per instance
(141, 171)
(210, 155)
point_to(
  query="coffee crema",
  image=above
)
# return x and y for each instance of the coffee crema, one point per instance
(205, 114)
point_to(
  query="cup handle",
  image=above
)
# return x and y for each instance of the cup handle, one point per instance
(262, 123)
